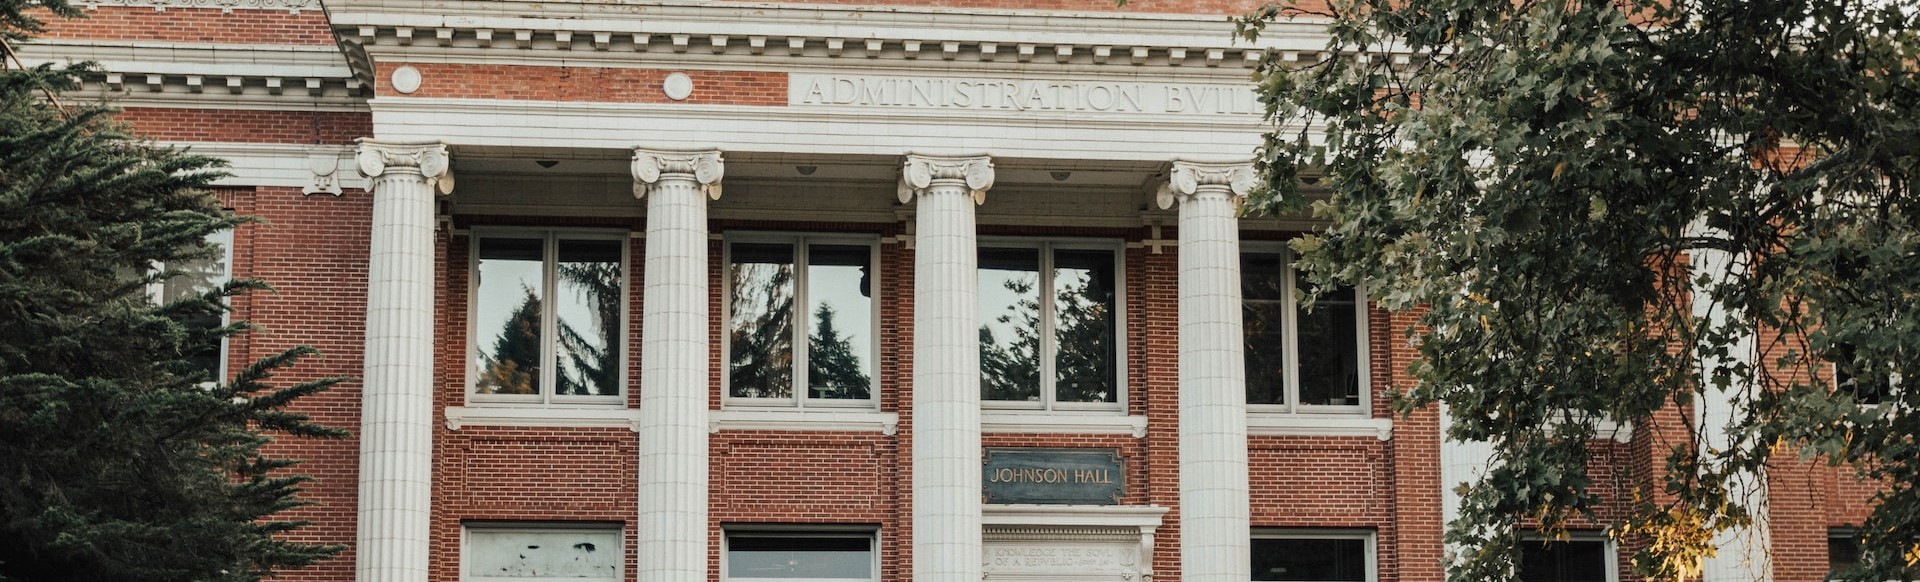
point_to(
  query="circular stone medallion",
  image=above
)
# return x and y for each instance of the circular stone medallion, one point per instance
(406, 79)
(678, 86)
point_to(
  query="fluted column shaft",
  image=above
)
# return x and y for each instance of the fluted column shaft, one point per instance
(396, 411)
(946, 365)
(1214, 539)
(672, 525)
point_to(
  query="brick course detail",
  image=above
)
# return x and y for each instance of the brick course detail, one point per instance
(248, 125)
(208, 25)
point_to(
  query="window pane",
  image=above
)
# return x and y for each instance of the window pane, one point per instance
(1083, 324)
(506, 316)
(761, 321)
(1843, 554)
(1263, 313)
(502, 554)
(799, 557)
(1310, 560)
(1572, 561)
(588, 307)
(1863, 390)
(840, 303)
(197, 277)
(1009, 324)
(1329, 356)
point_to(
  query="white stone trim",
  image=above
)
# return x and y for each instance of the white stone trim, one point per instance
(1042, 422)
(1145, 517)
(141, 67)
(458, 417)
(296, 166)
(845, 131)
(1259, 424)
(805, 419)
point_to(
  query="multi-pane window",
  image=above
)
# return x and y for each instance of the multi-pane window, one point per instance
(194, 278)
(1574, 560)
(519, 552)
(800, 304)
(1289, 556)
(548, 316)
(1844, 555)
(1049, 325)
(793, 555)
(1299, 360)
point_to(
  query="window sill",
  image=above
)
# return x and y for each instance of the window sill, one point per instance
(841, 420)
(997, 421)
(1318, 425)
(543, 417)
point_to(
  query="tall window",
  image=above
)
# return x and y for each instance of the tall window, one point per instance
(1049, 326)
(1296, 360)
(782, 287)
(1581, 559)
(548, 315)
(523, 552)
(1307, 556)
(795, 555)
(197, 277)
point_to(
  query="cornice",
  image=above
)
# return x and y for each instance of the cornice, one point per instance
(235, 73)
(588, 34)
(293, 6)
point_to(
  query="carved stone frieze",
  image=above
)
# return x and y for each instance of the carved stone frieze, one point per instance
(652, 167)
(1189, 178)
(921, 171)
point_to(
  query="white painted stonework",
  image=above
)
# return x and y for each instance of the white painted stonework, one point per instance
(1096, 96)
(1214, 520)
(1744, 552)
(396, 438)
(946, 364)
(672, 524)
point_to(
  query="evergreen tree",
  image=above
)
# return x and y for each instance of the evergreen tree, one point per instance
(833, 370)
(513, 367)
(591, 359)
(118, 463)
(761, 338)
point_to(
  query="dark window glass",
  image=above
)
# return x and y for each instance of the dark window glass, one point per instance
(508, 331)
(588, 305)
(1310, 560)
(761, 321)
(1329, 354)
(1862, 387)
(840, 324)
(1084, 326)
(772, 556)
(1009, 324)
(1568, 561)
(1264, 306)
(195, 278)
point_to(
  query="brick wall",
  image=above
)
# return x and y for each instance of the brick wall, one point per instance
(195, 25)
(248, 125)
(590, 84)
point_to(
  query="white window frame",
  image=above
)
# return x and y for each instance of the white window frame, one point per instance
(156, 294)
(1291, 344)
(801, 531)
(1369, 540)
(549, 320)
(802, 319)
(467, 529)
(1049, 342)
(1611, 549)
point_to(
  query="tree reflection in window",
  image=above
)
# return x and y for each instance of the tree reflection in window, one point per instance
(515, 278)
(1081, 331)
(769, 283)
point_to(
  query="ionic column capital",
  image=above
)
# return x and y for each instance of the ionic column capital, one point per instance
(1189, 179)
(922, 171)
(651, 168)
(426, 159)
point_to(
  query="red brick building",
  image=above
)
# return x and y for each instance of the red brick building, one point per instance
(817, 290)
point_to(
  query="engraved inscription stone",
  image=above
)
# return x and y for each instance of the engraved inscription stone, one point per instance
(1080, 561)
(1053, 476)
(1022, 95)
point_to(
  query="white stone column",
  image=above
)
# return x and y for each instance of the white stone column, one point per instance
(673, 362)
(1744, 553)
(396, 403)
(946, 364)
(1214, 536)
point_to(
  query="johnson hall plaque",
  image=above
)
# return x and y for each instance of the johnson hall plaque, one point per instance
(1053, 476)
